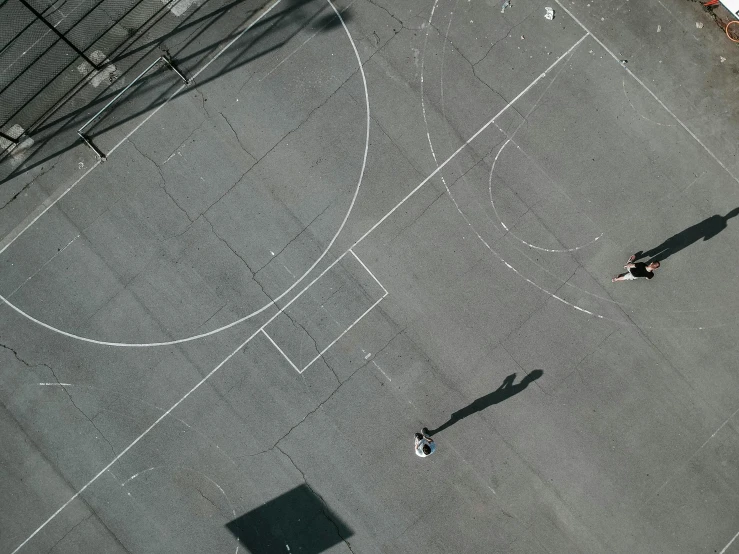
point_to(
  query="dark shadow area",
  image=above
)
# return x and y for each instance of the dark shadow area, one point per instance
(297, 521)
(56, 134)
(504, 392)
(706, 229)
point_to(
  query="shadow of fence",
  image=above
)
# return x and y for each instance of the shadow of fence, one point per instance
(188, 41)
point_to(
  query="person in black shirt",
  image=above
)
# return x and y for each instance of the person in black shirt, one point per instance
(635, 270)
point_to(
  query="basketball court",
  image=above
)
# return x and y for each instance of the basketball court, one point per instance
(352, 221)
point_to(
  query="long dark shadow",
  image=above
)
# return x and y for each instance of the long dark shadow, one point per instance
(504, 392)
(297, 521)
(240, 59)
(706, 229)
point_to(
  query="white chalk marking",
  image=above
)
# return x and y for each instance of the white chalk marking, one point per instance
(694, 455)
(281, 351)
(623, 84)
(322, 352)
(303, 44)
(668, 110)
(466, 143)
(495, 209)
(43, 266)
(728, 545)
(381, 371)
(368, 271)
(49, 202)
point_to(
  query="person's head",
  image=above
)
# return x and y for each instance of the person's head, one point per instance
(426, 449)
(653, 266)
(419, 436)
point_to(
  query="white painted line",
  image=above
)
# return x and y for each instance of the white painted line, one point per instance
(381, 371)
(467, 142)
(243, 344)
(55, 385)
(47, 262)
(728, 545)
(368, 271)
(49, 202)
(322, 352)
(281, 351)
(693, 456)
(134, 442)
(34, 216)
(54, 198)
(306, 41)
(198, 72)
(645, 87)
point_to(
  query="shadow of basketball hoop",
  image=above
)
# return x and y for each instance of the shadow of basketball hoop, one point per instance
(297, 521)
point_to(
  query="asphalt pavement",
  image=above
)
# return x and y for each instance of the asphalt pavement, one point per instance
(362, 218)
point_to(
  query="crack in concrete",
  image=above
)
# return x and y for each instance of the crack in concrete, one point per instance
(320, 404)
(208, 499)
(315, 345)
(383, 8)
(83, 520)
(64, 388)
(224, 241)
(27, 185)
(21, 360)
(163, 185)
(324, 505)
(296, 237)
(241, 144)
(427, 208)
(253, 274)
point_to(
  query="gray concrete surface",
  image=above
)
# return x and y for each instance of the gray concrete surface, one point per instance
(163, 309)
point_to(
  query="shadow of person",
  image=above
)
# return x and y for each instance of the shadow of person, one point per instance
(505, 391)
(706, 229)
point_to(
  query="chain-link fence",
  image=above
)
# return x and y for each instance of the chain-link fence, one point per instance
(49, 47)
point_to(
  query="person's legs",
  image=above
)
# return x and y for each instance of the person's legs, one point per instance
(623, 277)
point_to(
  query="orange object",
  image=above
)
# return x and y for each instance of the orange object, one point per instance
(732, 39)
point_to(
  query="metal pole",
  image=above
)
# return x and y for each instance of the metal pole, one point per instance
(173, 67)
(117, 96)
(88, 140)
(60, 35)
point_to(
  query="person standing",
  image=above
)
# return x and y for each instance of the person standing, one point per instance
(636, 270)
(424, 445)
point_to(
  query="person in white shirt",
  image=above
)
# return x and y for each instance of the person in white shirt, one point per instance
(424, 445)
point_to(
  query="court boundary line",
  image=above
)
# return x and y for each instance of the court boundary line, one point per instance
(50, 201)
(346, 330)
(281, 351)
(273, 301)
(280, 310)
(652, 94)
(368, 310)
